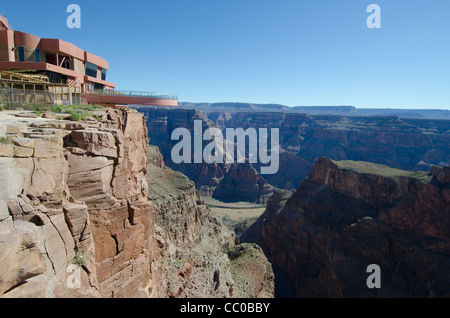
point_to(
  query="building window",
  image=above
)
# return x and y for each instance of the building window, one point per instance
(98, 86)
(104, 74)
(91, 70)
(37, 55)
(21, 51)
(66, 64)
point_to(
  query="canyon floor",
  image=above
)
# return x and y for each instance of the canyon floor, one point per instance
(236, 216)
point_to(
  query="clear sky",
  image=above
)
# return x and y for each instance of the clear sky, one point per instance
(291, 52)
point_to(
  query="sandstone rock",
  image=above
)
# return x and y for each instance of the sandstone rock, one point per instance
(15, 129)
(32, 289)
(95, 142)
(20, 258)
(45, 175)
(23, 152)
(27, 115)
(92, 186)
(77, 218)
(4, 211)
(24, 142)
(48, 148)
(13, 173)
(2, 130)
(59, 243)
(6, 150)
(78, 164)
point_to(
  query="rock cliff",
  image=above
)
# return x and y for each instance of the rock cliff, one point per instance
(87, 211)
(76, 193)
(348, 215)
(196, 245)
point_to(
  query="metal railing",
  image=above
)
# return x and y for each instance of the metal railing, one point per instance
(131, 94)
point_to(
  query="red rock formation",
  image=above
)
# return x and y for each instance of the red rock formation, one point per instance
(346, 216)
(83, 188)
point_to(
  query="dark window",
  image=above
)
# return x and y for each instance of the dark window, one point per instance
(54, 77)
(21, 54)
(91, 69)
(98, 86)
(37, 55)
(104, 74)
(67, 65)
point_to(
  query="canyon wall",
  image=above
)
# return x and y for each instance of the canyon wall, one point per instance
(87, 210)
(228, 182)
(76, 193)
(409, 144)
(201, 254)
(348, 215)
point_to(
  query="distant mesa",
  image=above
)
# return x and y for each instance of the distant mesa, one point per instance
(318, 110)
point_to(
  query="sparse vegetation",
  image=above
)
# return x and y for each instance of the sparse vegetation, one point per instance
(5, 140)
(80, 258)
(75, 117)
(15, 151)
(382, 170)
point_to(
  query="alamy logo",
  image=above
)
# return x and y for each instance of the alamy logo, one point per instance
(74, 277)
(374, 20)
(222, 150)
(374, 280)
(74, 20)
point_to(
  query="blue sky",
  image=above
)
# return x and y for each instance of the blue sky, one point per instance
(291, 52)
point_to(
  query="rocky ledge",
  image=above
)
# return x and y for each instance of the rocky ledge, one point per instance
(86, 212)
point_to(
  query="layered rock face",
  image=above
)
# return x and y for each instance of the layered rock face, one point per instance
(409, 144)
(196, 245)
(76, 193)
(348, 215)
(211, 180)
(241, 183)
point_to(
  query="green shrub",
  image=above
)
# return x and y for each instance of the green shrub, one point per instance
(80, 258)
(58, 109)
(75, 117)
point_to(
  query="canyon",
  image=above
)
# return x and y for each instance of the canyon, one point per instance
(409, 144)
(103, 195)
